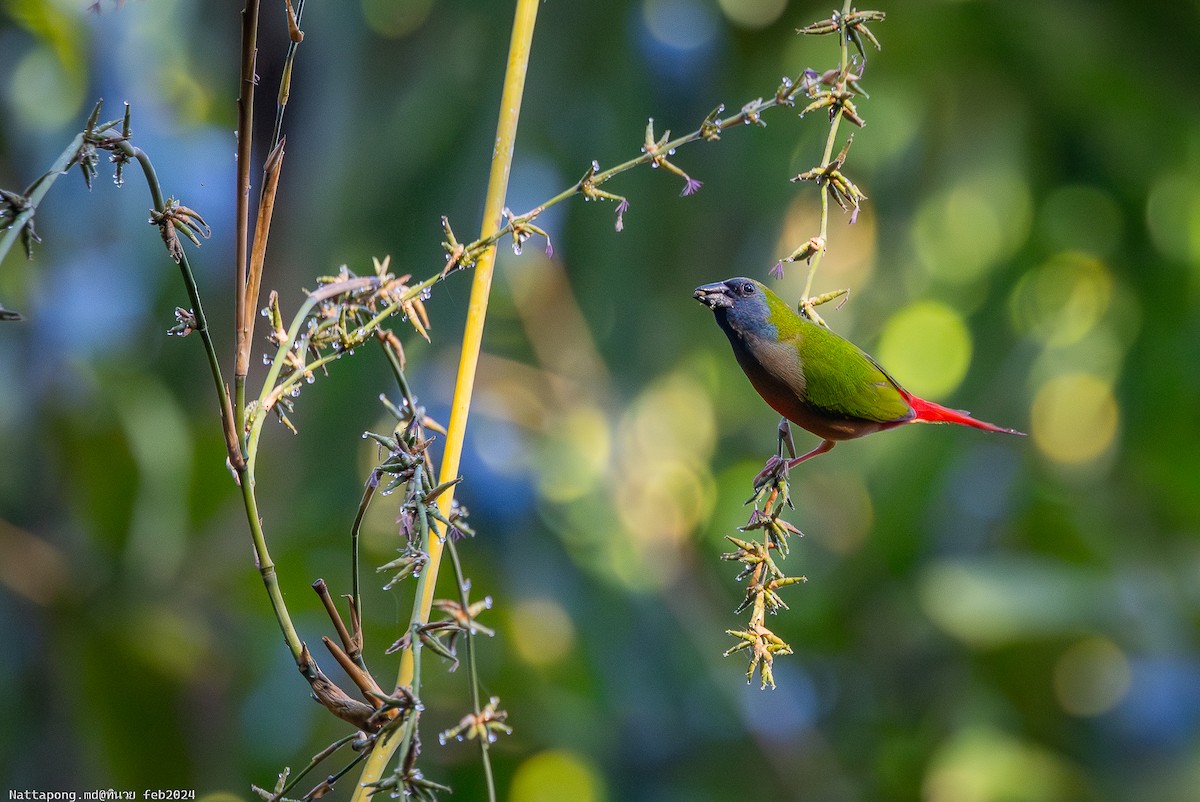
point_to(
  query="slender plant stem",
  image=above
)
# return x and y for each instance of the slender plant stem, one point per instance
(750, 112)
(829, 143)
(317, 759)
(263, 558)
(506, 130)
(189, 281)
(398, 371)
(245, 474)
(472, 669)
(37, 191)
(285, 80)
(247, 294)
(355, 592)
(269, 391)
(64, 162)
(266, 567)
(245, 142)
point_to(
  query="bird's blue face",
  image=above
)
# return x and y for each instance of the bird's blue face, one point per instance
(740, 306)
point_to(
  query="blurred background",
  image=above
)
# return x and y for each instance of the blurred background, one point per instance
(986, 617)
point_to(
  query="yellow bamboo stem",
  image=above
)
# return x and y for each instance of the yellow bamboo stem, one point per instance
(506, 134)
(481, 286)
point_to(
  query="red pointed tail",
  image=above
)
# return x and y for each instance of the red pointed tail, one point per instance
(929, 412)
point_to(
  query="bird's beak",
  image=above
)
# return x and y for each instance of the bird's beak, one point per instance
(715, 296)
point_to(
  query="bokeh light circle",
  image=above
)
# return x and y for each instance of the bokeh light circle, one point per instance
(542, 633)
(1173, 217)
(968, 229)
(556, 775)
(1075, 418)
(43, 93)
(927, 348)
(680, 24)
(1091, 677)
(752, 13)
(396, 18)
(1062, 301)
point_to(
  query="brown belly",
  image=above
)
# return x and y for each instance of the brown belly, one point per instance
(789, 403)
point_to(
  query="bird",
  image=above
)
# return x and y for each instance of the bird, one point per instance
(813, 377)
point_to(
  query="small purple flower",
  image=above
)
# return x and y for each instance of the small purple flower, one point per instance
(808, 80)
(777, 270)
(407, 522)
(622, 207)
(690, 187)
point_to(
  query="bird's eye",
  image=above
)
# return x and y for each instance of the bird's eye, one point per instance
(747, 288)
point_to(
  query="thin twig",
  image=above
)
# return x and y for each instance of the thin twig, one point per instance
(245, 141)
(749, 113)
(322, 591)
(36, 191)
(472, 670)
(815, 262)
(317, 759)
(355, 591)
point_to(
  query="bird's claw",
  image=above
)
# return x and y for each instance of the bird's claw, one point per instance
(775, 469)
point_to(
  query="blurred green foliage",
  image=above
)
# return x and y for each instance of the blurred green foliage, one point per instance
(986, 618)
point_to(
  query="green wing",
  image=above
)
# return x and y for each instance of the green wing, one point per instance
(842, 380)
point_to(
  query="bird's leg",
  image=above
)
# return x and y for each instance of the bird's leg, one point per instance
(821, 449)
(785, 438)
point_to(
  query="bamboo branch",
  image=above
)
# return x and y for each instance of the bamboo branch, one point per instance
(245, 142)
(506, 131)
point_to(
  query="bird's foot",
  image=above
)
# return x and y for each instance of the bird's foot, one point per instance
(775, 470)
